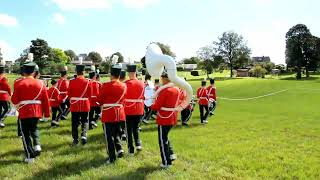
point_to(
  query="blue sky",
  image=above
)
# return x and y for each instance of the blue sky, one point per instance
(128, 26)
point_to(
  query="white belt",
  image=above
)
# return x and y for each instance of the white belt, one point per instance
(3, 92)
(94, 96)
(78, 99)
(203, 98)
(168, 109)
(29, 102)
(52, 100)
(111, 105)
(63, 92)
(135, 100)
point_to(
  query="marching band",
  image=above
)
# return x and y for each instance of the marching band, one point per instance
(120, 104)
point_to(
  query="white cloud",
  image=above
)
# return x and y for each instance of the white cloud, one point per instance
(6, 50)
(8, 21)
(100, 4)
(58, 18)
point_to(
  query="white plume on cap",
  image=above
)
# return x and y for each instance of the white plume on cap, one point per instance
(65, 68)
(93, 68)
(30, 57)
(115, 59)
(2, 63)
(80, 60)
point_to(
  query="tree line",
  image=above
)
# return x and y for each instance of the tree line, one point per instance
(302, 50)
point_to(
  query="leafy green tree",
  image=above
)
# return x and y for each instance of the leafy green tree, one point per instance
(231, 46)
(71, 55)
(1, 58)
(58, 56)
(106, 65)
(206, 54)
(192, 60)
(298, 48)
(95, 57)
(121, 58)
(166, 49)
(41, 51)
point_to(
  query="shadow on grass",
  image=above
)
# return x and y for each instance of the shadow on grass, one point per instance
(217, 79)
(179, 127)
(139, 173)
(303, 79)
(66, 169)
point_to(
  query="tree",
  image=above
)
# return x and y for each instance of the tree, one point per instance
(58, 56)
(94, 57)
(192, 60)
(120, 59)
(1, 58)
(298, 48)
(206, 54)
(166, 49)
(41, 51)
(71, 55)
(231, 46)
(106, 65)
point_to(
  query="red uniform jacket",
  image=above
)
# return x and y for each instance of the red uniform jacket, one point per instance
(54, 98)
(63, 86)
(134, 104)
(202, 95)
(79, 93)
(5, 90)
(95, 86)
(212, 93)
(183, 96)
(156, 87)
(167, 98)
(30, 89)
(112, 98)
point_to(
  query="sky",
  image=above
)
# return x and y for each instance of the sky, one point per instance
(128, 26)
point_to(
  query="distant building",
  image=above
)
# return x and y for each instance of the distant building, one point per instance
(243, 72)
(189, 66)
(261, 59)
(84, 60)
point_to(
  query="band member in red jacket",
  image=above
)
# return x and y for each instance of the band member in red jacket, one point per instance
(134, 108)
(79, 93)
(202, 95)
(31, 98)
(95, 108)
(187, 112)
(55, 102)
(63, 86)
(15, 81)
(123, 135)
(212, 95)
(165, 104)
(112, 97)
(5, 93)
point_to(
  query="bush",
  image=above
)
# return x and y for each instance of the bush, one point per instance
(180, 69)
(258, 71)
(195, 73)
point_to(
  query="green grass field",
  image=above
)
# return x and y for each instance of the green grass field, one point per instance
(275, 137)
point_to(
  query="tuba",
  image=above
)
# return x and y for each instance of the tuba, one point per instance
(157, 62)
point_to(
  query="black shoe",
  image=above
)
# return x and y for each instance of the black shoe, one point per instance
(75, 143)
(83, 140)
(120, 154)
(185, 124)
(63, 117)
